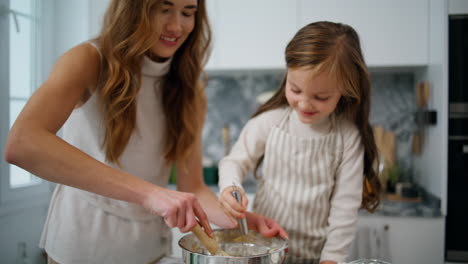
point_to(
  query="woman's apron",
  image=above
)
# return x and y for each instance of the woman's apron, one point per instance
(296, 185)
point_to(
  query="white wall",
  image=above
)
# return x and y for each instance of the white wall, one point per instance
(24, 225)
(431, 166)
(77, 21)
(71, 24)
(97, 9)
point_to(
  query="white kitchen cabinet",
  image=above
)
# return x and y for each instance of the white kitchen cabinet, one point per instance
(212, 10)
(251, 34)
(254, 34)
(457, 7)
(403, 239)
(392, 33)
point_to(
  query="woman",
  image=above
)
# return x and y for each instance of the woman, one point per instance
(130, 103)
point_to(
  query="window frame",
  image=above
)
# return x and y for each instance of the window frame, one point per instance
(43, 37)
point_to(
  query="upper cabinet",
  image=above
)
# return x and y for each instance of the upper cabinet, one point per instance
(251, 34)
(254, 34)
(392, 33)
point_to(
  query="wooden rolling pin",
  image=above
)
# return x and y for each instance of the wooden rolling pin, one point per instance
(208, 242)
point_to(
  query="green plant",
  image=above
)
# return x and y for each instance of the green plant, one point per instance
(394, 174)
(172, 177)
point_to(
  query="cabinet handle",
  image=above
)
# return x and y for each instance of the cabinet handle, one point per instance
(386, 227)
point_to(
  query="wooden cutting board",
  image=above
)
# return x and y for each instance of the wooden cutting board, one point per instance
(386, 146)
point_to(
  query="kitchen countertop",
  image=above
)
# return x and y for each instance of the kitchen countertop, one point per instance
(428, 207)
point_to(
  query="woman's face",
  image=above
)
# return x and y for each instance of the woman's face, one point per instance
(312, 98)
(175, 20)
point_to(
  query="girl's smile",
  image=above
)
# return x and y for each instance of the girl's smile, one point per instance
(307, 114)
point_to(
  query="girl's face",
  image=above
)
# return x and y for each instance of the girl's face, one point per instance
(175, 20)
(312, 98)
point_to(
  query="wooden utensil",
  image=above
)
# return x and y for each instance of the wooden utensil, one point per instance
(208, 242)
(389, 140)
(386, 146)
(422, 93)
(422, 97)
(378, 136)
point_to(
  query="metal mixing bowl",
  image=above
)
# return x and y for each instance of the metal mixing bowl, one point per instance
(250, 249)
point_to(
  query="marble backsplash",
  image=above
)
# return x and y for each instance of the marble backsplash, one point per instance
(232, 100)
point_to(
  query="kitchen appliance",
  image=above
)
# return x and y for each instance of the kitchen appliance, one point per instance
(249, 249)
(456, 228)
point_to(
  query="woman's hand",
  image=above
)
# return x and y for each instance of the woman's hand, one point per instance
(264, 225)
(178, 209)
(328, 262)
(230, 204)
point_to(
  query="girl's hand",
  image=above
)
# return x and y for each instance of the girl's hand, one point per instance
(178, 209)
(230, 204)
(264, 225)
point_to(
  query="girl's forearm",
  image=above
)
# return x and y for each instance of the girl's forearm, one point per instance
(211, 205)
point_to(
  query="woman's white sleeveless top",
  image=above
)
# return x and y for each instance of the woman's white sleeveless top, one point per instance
(83, 227)
(296, 185)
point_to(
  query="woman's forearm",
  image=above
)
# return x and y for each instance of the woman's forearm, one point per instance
(51, 158)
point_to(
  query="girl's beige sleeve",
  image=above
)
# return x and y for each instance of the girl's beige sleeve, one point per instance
(248, 149)
(346, 197)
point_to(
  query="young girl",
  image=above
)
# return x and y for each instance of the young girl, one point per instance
(316, 144)
(130, 103)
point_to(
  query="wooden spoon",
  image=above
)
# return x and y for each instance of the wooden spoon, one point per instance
(208, 242)
(422, 98)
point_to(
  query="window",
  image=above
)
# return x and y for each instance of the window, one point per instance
(21, 73)
(24, 32)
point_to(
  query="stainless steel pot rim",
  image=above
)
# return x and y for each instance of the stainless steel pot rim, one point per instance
(284, 247)
(234, 257)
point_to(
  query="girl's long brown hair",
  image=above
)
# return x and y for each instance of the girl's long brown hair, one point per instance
(335, 48)
(127, 34)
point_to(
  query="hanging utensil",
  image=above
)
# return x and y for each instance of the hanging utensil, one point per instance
(422, 97)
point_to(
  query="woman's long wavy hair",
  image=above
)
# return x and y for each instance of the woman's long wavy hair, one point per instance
(127, 34)
(334, 48)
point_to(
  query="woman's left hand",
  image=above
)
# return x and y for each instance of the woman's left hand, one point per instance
(264, 225)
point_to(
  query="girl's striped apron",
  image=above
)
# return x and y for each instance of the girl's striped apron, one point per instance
(296, 185)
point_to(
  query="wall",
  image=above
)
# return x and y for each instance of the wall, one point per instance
(71, 24)
(96, 15)
(24, 225)
(433, 163)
